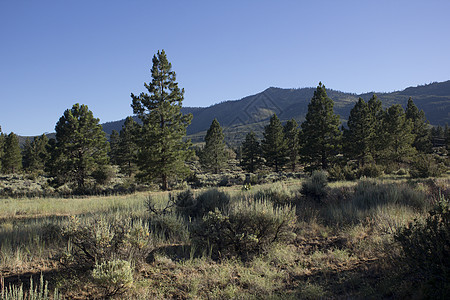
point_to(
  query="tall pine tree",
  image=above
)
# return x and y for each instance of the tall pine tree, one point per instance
(251, 159)
(398, 138)
(213, 156)
(162, 150)
(127, 148)
(320, 136)
(361, 131)
(12, 157)
(35, 154)
(291, 134)
(274, 147)
(422, 140)
(2, 146)
(113, 147)
(81, 146)
(376, 143)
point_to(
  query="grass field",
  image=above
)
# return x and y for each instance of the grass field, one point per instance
(341, 243)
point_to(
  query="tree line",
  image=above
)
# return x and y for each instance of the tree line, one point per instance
(157, 150)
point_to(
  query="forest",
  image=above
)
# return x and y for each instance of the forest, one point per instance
(313, 210)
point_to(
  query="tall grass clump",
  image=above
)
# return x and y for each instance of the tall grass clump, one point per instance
(278, 193)
(245, 229)
(38, 292)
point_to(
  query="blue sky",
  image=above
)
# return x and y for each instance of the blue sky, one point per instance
(57, 53)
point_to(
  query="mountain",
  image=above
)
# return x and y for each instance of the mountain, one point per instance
(237, 117)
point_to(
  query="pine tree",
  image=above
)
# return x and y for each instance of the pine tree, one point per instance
(357, 143)
(127, 148)
(162, 151)
(320, 135)
(251, 159)
(376, 143)
(114, 147)
(398, 137)
(422, 141)
(274, 147)
(213, 156)
(12, 157)
(81, 146)
(2, 146)
(35, 154)
(291, 134)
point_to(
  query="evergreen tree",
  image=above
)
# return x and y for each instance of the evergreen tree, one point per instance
(2, 146)
(213, 156)
(114, 147)
(320, 136)
(291, 134)
(251, 153)
(422, 141)
(162, 151)
(357, 143)
(35, 154)
(12, 157)
(376, 143)
(398, 137)
(127, 148)
(81, 147)
(274, 147)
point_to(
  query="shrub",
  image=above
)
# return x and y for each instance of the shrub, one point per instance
(335, 173)
(426, 249)
(101, 240)
(370, 171)
(114, 277)
(316, 185)
(246, 229)
(277, 193)
(169, 227)
(207, 201)
(426, 166)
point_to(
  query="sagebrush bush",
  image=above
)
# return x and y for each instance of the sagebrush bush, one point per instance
(246, 229)
(114, 277)
(316, 185)
(370, 171)
(103, 239)
(426, 249)
(425, 166)
(205, 202)
(169, 227)
(277, 193)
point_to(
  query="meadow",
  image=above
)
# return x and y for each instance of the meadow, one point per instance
(293, 239)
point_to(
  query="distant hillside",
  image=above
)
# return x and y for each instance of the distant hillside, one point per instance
(253, 112)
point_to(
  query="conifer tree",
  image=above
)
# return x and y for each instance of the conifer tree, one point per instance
(213, 156)
(2, 146)
(320, 136)
(162, 150)
(274, 147)
(114, 147)
(35, 154)
(81, 147)
(127, 148)
(398, 137)
(251, 159)
(12, 157)
(357, 143)
(291, 134)
(422, 141)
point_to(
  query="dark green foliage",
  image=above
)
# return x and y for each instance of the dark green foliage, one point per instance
(291, 134)
(2, 147)
(162, 152)
(370, 171)
(35, 154)
(12, 157)
(205, 202)
(113, 147)
(126, 156)
(358, 138)
(274, 147)
(397, 136)
(251, 153)
(426, 250)
(320, 136)
(81, 146)
(103, 174)
(422, 141)
(245, 230)
(425, 165)
(213, 156)
(315, 186)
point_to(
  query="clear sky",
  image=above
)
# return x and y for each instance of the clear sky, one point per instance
(54, 54)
